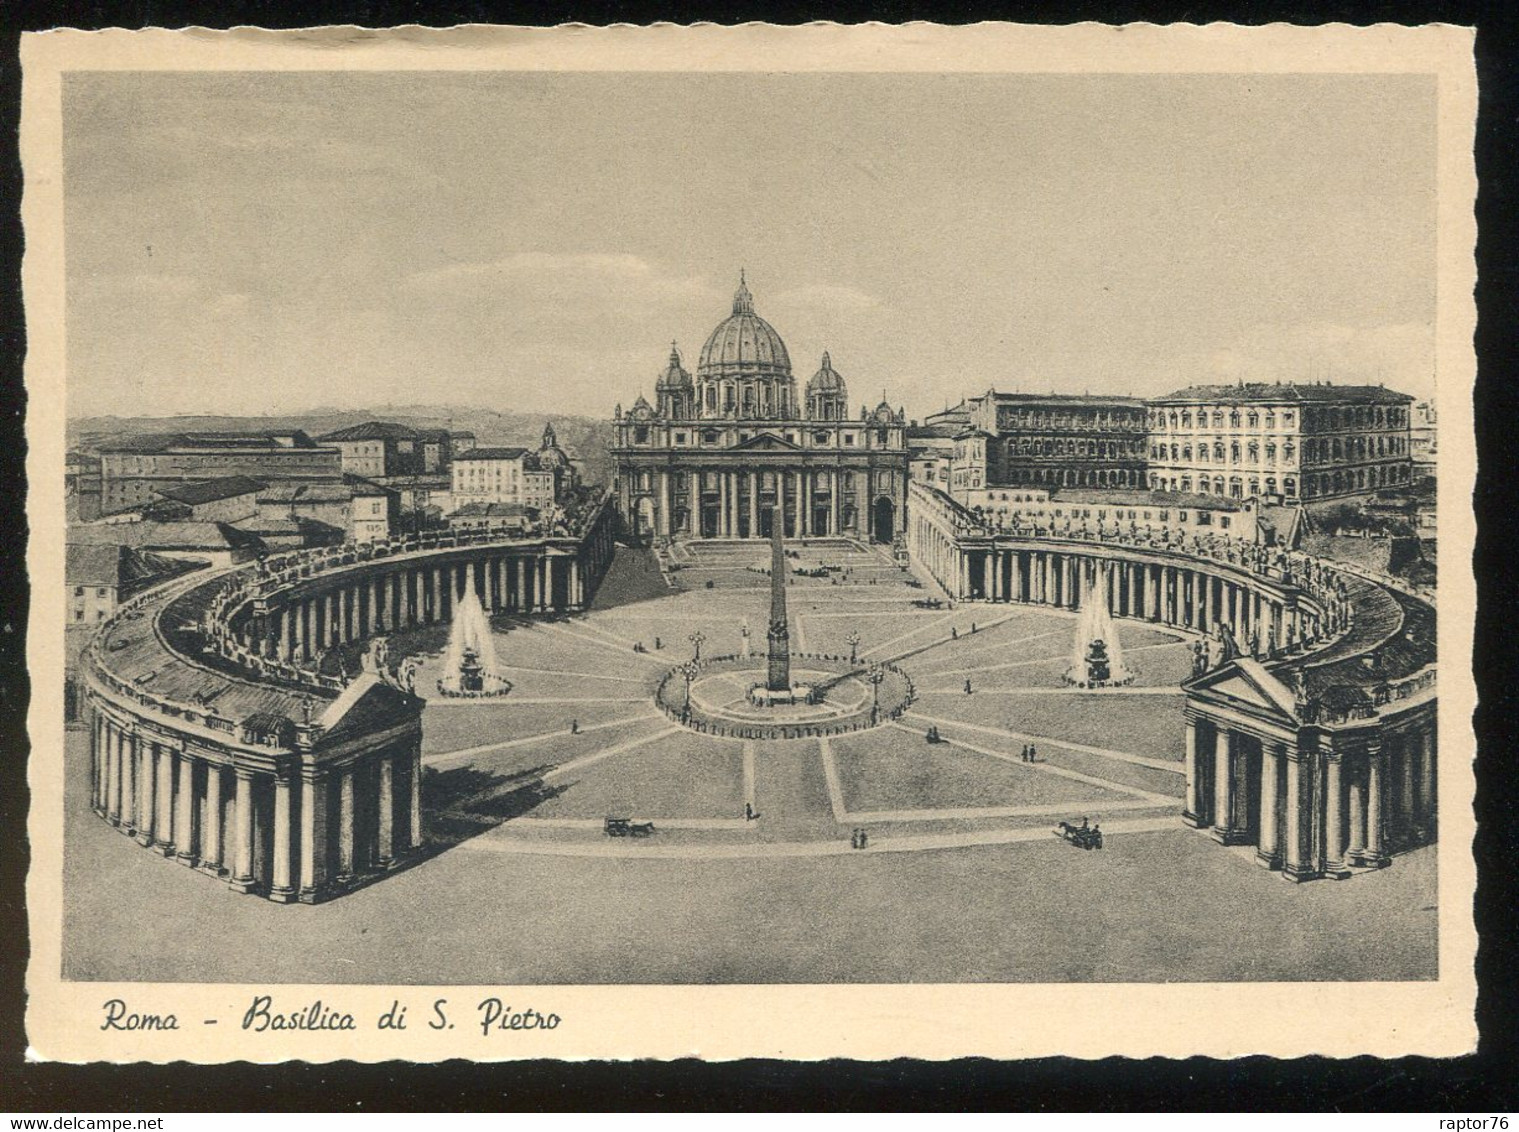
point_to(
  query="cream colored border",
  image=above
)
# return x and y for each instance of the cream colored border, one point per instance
(806, 1022)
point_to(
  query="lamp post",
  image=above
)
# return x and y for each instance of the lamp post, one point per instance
(854, 644)
(689, 671)
(696, 639)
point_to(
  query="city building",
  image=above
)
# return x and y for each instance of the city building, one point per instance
(514, 475)
(931, 451)
(208, 543)
(491, 516)
(100, 576)
(133, 471)
(378, 449)
(360, 509)
(715, 456)
(1291, 443)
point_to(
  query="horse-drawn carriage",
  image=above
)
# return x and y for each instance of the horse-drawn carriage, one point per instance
(1083, 836)
(626, 827)
(928, 602)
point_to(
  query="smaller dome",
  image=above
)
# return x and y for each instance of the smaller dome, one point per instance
(641, 407)
(826, 380)
(675, 375)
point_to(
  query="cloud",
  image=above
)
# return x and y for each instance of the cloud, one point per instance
(826, 296)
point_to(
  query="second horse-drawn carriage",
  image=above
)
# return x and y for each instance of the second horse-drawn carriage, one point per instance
(627, 827)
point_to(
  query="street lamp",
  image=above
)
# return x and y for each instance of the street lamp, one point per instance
(696, 639)
(854, 644)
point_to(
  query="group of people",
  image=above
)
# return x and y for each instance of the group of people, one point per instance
(1030, 753)
(858, 839)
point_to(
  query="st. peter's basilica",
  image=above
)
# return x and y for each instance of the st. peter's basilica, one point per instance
(714, 457)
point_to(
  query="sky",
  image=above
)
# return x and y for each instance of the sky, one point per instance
(254, 243)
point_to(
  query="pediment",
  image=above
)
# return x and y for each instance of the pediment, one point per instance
(767, 442)
(1247, 682)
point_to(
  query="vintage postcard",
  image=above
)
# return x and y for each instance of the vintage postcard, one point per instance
(796, 542)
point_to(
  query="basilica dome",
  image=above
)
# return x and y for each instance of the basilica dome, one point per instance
(744, 344)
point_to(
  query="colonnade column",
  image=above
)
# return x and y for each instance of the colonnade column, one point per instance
(184, 813)
(1427, 778)
(753, 525)
(415, 809)
(1226, 789)
(387, 832)
(1374, 857)
(163, 813)
(211, 824)
(147, 784)
(242, 867)
(280, 888)
(722, 504)
(1299, 824)
(1334, 809)
(313, 835)
(1192, 815)
(1267, 851)
(345, 824)
(663, 526)
(834, 490)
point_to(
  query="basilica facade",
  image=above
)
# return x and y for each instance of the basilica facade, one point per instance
(721, 454)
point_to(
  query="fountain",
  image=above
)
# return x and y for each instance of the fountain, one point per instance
(1097, 661)
(469, 662)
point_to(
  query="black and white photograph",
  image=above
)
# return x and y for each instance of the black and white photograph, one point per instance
(749, 518)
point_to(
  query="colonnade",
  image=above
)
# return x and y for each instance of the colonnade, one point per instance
(291, 828)
(1315, 801)
(353, 605)
(1170, 589)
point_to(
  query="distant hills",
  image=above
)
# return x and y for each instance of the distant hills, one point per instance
(584, 438)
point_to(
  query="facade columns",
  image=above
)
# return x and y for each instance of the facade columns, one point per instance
(522, 605)
(1427, 777)
(663, 525)
(834, 491)
(753, 478)
(113, 776)
(722, 505)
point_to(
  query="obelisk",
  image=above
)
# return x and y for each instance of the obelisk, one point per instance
(779, 678)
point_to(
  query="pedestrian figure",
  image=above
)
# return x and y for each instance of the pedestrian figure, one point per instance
(972, 626)
(748, 811)
(864, 839)
(954, 634)
(658, 644)
(574, 727)
(967, 687)
(1033, 753)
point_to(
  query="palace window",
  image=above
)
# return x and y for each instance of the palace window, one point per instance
(1218, 418)
(1234, 452)
(641, 434)
(1270, 419)
(1255, 452)
(1218, 452)
(1234, 418)
(1270, 453)
(1186, 420)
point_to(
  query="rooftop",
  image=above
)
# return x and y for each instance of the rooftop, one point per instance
(490, 454)
(373, 430)
(209, 491)
(277, 440)
(1286, 392)
(1074, 400)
